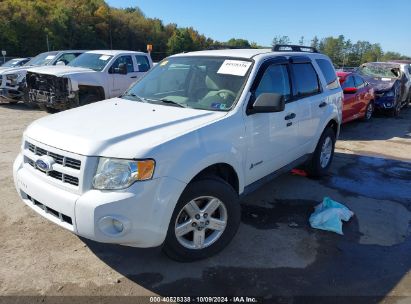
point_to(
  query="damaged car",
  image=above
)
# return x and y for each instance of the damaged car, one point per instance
(389, 84)
(13, 81)
(93, 76)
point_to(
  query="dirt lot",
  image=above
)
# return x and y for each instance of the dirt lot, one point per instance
(275, 252)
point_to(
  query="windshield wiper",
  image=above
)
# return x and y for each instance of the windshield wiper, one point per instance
(134, 96)
(163, 100)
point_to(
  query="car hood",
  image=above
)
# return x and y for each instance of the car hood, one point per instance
(380, 84)
(8, 71)
(62, 70)
(117, 127)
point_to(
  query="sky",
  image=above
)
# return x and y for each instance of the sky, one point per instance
(376, 21)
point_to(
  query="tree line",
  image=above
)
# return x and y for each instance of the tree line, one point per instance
(28, 27)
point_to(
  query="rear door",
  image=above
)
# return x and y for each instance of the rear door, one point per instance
(142, 65)
(349, 100)
(310, 101)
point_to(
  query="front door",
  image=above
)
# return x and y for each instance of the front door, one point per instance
(119, 82)
(271, 137)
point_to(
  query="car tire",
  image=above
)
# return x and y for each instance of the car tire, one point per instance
(369, 111)
(323, 155)
(51, 110)
(87, 99)
(196, 240)
(397, 110)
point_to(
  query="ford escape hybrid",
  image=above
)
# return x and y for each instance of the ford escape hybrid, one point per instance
(166, 162)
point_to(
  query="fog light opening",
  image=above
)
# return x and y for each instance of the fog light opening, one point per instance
(118, 226)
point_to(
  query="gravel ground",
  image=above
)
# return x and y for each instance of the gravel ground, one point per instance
(274, 254)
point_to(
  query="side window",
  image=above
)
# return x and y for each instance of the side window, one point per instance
(359, 82)
(329, 73)
(306, 79)
(67, 58)
(275, 80)
(348, 83)
(142, 63)
(127, 60)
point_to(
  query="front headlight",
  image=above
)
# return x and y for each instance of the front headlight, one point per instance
(389, 94)
(115, 174)
(15, 78)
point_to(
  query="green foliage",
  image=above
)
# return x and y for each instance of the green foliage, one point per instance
(25, 26)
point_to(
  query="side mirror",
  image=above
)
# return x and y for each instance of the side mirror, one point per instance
(350, 90)
(267, 103)
(60, 63)
(122, 69)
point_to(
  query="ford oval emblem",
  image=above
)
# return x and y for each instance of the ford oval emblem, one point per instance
(45, 163)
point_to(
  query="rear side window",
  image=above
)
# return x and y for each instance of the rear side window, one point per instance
(359, 82)
(306, 79)
(329, 73)
(275, 80)
(348, 83)
(142, 63)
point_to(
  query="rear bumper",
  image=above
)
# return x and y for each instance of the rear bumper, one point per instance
(144, 210)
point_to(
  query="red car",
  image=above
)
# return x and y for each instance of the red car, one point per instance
(358, 97)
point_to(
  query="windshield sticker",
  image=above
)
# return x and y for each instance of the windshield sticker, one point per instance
(104, 57)
(386, 79)
(164, 63)
(219, 106)
(49, 57)
(234, 67)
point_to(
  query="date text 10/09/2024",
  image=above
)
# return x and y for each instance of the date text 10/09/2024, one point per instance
(199, 299)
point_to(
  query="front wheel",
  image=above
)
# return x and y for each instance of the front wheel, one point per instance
(369, 111)
(204, 221)
(323, 154)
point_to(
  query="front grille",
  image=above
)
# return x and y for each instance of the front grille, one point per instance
(62, 217)
(59, 159)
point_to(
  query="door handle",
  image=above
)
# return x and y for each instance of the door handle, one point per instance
(290, 116)
(133, 77)
(322, 105)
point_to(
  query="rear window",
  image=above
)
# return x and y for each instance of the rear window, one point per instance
(329, 73)
(306, 79)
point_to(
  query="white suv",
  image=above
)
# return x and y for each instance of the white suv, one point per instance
(167, 162)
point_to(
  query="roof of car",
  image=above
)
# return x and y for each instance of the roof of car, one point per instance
(112, 52)
(245, 53)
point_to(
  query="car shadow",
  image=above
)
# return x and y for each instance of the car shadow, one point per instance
(19, 106)
(277, 255)
(380, 127)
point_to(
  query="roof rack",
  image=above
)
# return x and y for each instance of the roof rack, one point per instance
(293, 48)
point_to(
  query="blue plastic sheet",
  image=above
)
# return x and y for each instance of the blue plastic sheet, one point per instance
(329, 216)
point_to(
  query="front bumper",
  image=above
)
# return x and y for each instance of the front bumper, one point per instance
(144, 209)
(49, 99)
(385, 103)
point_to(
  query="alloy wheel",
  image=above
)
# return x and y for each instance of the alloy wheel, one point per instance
(201, 222)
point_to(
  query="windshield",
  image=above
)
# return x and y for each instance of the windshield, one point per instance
(380, 70)
(96, 62)
(42, 59)
(11, 63)
(208, 83)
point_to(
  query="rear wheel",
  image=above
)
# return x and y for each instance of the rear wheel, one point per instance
(323, 154)
(204, 221)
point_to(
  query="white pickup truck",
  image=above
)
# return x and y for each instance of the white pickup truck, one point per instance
(167, 162)
(93, 76)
